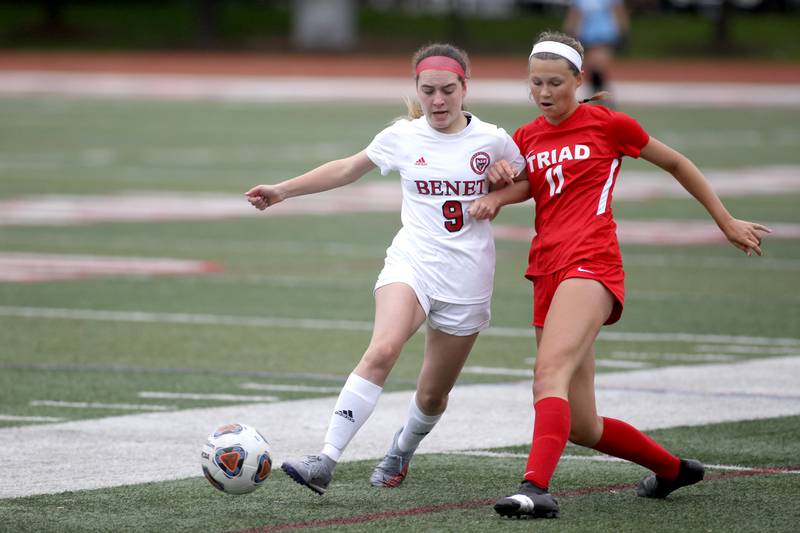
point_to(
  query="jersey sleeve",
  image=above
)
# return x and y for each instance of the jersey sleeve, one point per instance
(383, 149)
(628, 135)
(511, 153)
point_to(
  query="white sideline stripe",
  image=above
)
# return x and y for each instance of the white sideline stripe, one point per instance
(100, 405)
(287, 388)
(727, 393)
(354, 325)
(204, 396)
(13, 418)
(607, 459)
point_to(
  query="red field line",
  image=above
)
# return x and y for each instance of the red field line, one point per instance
(382, 65)
(414, 511)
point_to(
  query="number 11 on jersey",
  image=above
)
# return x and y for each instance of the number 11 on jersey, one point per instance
(559, 173)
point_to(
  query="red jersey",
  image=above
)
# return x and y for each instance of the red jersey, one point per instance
(572, 168)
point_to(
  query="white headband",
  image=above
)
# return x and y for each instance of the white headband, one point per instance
(559, 49)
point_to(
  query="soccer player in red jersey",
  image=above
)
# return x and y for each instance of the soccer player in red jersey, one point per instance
(573, 153)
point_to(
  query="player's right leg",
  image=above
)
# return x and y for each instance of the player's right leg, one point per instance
(577, 312)
(445, 355)
(398, 315)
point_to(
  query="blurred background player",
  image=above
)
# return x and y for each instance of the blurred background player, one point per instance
(439, 268)
(600, 26)
(573, 153)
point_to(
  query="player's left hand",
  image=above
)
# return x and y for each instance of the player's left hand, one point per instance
(745, 235)
(483, 208)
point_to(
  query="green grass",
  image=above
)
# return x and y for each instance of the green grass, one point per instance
(751, 503)
(324, 267)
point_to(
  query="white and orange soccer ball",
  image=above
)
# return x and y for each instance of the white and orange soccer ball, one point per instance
(236, 459)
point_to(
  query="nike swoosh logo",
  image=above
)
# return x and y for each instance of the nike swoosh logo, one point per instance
(581, 269)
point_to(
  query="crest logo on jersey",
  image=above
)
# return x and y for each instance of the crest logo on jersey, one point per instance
(480, 162)
(421, 162)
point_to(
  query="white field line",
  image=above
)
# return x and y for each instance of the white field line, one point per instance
(353, 325)
(705, 357)
(288, 388)
(778, 350)
(493, 371)
(606, 363)
(366, 89)
(675, 396)
(13, 418)
(711, 262)
(207, 397)
(100, 405)
(607, 459)
(184, 318)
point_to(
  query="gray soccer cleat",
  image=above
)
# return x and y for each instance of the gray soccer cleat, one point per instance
(392, 469)
(654, 486)
(312, 471)
(528, 502)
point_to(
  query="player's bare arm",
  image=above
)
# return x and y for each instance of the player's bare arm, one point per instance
(488, 206)
(328, 176)
(743, 234)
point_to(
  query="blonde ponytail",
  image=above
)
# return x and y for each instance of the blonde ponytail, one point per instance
(414, 108)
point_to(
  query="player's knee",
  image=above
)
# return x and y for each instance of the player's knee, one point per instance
(549, 379)
(381, 356)
(431, 402)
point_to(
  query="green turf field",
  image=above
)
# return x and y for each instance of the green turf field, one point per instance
(209, 333)
(453, 493)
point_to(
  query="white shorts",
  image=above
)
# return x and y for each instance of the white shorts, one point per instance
(457, 319)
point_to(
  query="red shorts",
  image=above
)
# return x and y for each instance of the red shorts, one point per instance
(611, 276)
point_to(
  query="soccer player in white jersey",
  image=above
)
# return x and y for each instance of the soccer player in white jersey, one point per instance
(439, 267)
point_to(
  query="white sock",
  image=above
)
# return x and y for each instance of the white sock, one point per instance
(355, 404)
(417, 425)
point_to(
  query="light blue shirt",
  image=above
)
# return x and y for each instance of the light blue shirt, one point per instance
(599, 25)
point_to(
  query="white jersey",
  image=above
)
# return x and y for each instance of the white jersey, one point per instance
(450, 253)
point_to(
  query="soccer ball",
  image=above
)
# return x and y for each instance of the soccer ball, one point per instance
(236, 459)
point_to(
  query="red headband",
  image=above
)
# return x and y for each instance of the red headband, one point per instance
(440, 63)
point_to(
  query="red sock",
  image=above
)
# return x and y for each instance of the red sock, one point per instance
(550, 434)
(626, 442)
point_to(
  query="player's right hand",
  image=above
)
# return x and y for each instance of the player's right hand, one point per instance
(485, 207)
(502, 172)
(263, 196)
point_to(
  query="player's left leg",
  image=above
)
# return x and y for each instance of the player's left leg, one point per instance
(445, 356)
(619, 439)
